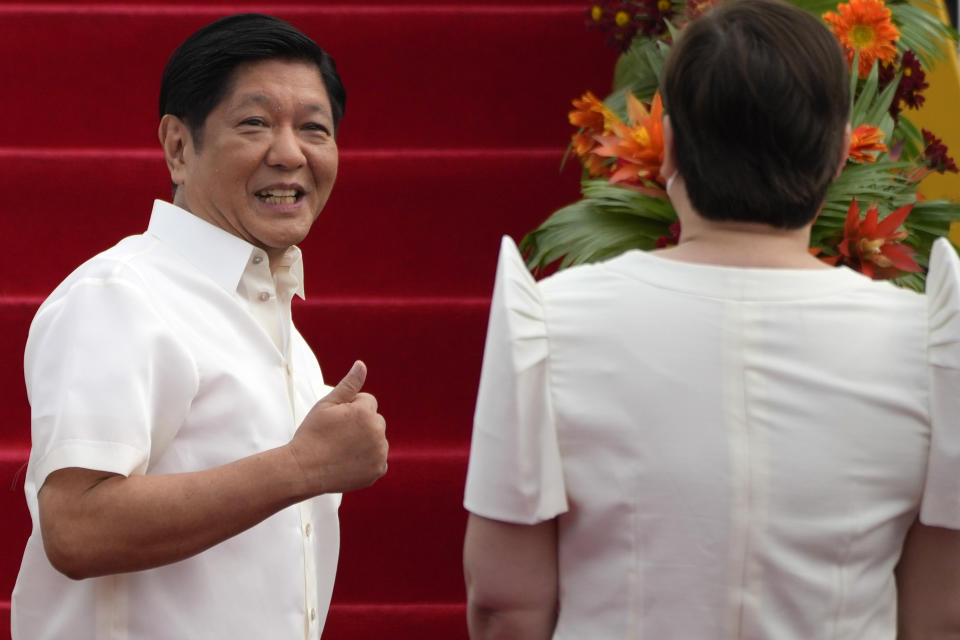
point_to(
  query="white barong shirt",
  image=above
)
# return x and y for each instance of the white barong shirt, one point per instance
(730, 453)
(174, 351)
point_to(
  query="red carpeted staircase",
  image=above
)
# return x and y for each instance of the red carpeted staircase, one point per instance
(455, 128)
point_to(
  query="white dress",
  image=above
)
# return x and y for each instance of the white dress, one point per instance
(732, 453)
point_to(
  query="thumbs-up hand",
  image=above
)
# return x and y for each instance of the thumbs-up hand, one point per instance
(341, 445)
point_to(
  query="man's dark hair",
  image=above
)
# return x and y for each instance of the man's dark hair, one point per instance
(200, 71)
(758, 96)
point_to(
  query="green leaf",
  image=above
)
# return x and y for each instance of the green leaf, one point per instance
(638, 69)
(912, 137)
(816, 7)
(627, 201)
(869, 107)
(921, 31)
(589, 231)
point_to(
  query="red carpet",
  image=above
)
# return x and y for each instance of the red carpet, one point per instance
(455, 127)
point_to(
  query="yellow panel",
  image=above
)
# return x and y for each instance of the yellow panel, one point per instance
(941, 115)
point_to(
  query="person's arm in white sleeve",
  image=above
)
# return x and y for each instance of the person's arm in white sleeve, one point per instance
(511, 577)
(928, 575)
(928, 584)
(97, 523)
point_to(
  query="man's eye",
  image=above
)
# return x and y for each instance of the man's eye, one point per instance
(254, 122)
(316, 126)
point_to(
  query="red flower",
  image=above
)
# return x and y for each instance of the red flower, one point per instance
(670, 240)
(872, 246)
(935, 155)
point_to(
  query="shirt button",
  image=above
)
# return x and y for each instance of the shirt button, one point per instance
(306, 530)
(257, 259)
(313, 614)
(264, 296)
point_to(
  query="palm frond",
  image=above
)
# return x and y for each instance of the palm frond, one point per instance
(589, 231)
(921, 31)
(638, 69)
(816, 7)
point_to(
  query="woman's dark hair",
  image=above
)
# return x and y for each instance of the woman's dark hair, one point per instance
(758, 96)
(199, 72)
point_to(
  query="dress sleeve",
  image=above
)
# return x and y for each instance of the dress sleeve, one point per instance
(941, 499)
(515, 473)
(108, 383)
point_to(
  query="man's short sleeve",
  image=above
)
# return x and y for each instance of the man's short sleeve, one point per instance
(108, 382)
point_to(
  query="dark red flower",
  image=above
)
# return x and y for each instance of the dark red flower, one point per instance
(651, 20)
(913, 80)
(616, 19)
(935, 155)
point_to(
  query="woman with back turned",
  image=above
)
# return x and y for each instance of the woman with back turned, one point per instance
(786, 466)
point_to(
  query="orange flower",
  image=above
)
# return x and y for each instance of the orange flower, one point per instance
(872, 246)
(863, 140)
(593, 118)
(638, 148)
(864, 26)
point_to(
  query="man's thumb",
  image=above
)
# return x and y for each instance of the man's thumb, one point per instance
(348, 388)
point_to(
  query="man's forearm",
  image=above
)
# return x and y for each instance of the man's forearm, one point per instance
(97, 523)
(105, 523)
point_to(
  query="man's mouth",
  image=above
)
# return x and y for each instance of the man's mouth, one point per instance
(279, 196)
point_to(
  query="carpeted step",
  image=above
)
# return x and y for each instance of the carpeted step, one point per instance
(453, 75)
(396, 622)
(423, 356)
(401, 539)
(423, 223)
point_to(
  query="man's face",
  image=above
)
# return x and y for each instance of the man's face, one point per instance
(267, 157)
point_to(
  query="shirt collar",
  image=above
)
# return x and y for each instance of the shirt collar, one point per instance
(290, 271)
(219, 254)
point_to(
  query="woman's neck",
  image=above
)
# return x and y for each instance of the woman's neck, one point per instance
(737, 244)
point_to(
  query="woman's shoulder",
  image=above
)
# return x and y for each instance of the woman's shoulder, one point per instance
(943, 296)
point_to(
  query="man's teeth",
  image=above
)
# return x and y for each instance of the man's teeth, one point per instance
(278, 196)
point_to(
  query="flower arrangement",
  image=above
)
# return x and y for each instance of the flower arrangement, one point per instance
(619, 142)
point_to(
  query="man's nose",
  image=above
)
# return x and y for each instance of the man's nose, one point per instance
(285, 150)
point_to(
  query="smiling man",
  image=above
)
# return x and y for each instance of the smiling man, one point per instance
(187, 459)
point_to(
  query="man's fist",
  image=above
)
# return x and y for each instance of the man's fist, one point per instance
(341, 445)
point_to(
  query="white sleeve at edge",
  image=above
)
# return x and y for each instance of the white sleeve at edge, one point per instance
(515, 473)
(108, 383)
(941, 499)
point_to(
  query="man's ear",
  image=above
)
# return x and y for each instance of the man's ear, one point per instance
(845, 152)
(174, 138)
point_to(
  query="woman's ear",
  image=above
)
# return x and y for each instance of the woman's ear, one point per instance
(669, 166)
(174, 138)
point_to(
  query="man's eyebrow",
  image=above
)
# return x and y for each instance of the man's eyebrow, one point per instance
(264, 100)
